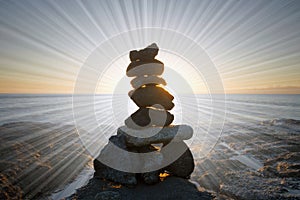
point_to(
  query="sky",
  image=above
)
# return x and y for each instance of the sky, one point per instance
(254, 45)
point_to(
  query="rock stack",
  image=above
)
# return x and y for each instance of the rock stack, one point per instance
(153, 100)
(148, 126)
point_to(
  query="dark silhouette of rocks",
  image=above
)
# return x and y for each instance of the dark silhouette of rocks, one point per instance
(184, 165)
(169, 189)
(145, 68)
(150, 178)
(144, 80)
(107, 153)
(147, 117)
(150, 125)
(150, 96)
(156, 135)
(108, 195)
(144, 54)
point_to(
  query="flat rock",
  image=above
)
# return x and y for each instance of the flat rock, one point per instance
(150, 95)
(142, 68)
(155, 135)
(144, 54)
(170, 188)
(184, 165)
(147, 117)
(144, 80)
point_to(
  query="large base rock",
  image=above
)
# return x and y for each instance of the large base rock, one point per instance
(106, 172)
(137, 163)
(184, 165)
(103, 171)
(151, 177)
(123, 158)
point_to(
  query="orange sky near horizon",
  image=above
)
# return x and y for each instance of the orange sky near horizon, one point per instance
(53, 86)
(253, 45)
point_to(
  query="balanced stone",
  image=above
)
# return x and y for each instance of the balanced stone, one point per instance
(148, 145)
(108, 154)
(141, 68)
(151, 177)
(150, 95)
(146, 117)
(184, 165)
(145, 54)
(144, 80)
(155, 135)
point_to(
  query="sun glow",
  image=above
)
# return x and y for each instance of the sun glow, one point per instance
(180, 76)
(44, 45)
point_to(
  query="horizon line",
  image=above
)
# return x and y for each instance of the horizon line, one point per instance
(125, 94)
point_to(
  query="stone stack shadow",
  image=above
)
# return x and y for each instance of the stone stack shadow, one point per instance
(147, 131)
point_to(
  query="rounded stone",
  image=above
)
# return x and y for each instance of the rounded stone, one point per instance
(142, 68)
(151, 95)
(107, 153)
(151, 177)
(184, 165)
(144, 80)
(147, 53)
(147, 117)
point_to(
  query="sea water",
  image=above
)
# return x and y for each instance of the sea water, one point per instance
(99, 116)
(241, 111)
(58, 109)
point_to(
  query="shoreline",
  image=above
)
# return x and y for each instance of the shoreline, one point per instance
(79, 181)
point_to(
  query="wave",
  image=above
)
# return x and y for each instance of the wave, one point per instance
(281, 121)
(39, 157)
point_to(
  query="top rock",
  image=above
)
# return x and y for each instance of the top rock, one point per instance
(144, 54)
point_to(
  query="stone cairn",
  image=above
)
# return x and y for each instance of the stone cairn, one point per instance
(152, 121)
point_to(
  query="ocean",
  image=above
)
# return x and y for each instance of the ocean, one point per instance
(58, 108)
(237, 135)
